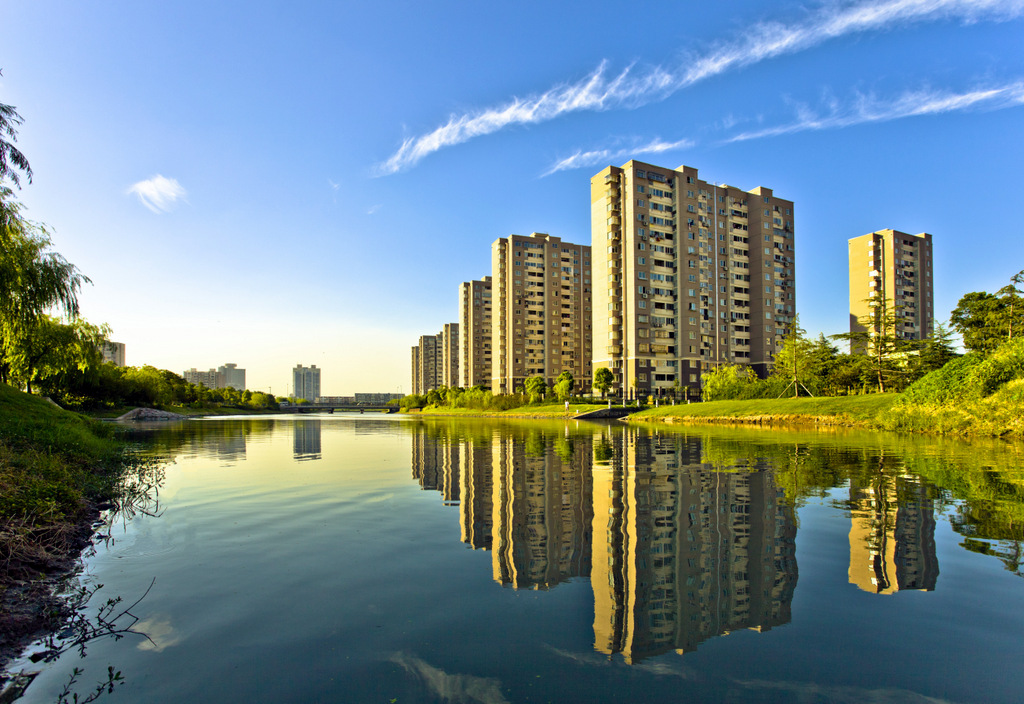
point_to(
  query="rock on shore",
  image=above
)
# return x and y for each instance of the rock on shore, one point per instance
(151, 414)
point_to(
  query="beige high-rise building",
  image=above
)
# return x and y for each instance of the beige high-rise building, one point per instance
(688, 275)
(541, 311)
(450, 355)
(306, 382)
(475, 333)
(428, 363)
(899, 266)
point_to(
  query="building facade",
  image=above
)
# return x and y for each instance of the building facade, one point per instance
(689, 275)
(376, 398)
(306, 382)
(428, 363)
(450, 355)
(207, 379)
(540, 324)
(475, 333)
(112, 352)
(899, 267)
(230, 375)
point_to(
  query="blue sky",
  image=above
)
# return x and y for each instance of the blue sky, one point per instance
(240, 179)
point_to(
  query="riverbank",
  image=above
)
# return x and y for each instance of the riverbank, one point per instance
(542, 410)
(1000, 415)
(57, 471)
(848, 411)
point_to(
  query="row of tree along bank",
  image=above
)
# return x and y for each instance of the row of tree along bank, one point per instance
(976, 394)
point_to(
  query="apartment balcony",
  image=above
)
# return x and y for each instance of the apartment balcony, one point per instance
(613, 350)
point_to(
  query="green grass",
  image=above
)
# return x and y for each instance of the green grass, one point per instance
(52, 462)
(859, 409)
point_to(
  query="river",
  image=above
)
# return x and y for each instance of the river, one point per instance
(358, 558)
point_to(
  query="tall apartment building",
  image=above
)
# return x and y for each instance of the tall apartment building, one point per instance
(450, 355)
(427, 363)
(540, 324)
(475, 333)
(899, 266)
(689, 275)
(230, 375)
(306, 382)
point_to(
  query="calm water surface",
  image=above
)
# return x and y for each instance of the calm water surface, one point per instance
(386, 559)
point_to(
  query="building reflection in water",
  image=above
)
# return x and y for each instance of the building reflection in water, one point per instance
(306, 439)
(892, 534)
(525, 496)
(435, 464)
(675, 551)
(542, 510)
(682, 552)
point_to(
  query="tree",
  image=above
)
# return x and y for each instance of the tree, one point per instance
(1009, 295)
(603, 380)
(879, 338)
(564, 385)
(11, 160)
(535, 387)
(33, 280)
(986, 320)
(935, 351)
(793, 361)
(727, 381)
(51, 352)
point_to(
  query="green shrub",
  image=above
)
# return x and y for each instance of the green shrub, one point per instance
(943, 385)
(1005, 364)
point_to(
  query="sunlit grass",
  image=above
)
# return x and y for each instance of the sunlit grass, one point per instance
(854, 408)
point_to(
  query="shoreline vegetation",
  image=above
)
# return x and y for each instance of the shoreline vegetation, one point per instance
(1001, 416)
(58, 471)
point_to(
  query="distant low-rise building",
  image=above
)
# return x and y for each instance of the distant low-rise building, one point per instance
(337, 400)
(220, 378)
(376, 399)
(207, 379)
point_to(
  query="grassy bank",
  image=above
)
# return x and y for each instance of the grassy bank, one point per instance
(860, 411)
(55, 468)
(998, 415)
(540, 410)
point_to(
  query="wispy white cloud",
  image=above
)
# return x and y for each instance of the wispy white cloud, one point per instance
(594, 157)
(868, 108)
(635, 86)
(373, 209)
(458, 689)
(810, 691)
(159, 193)
(334, 186)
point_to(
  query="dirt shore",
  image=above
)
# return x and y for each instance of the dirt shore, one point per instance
(37, 570)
